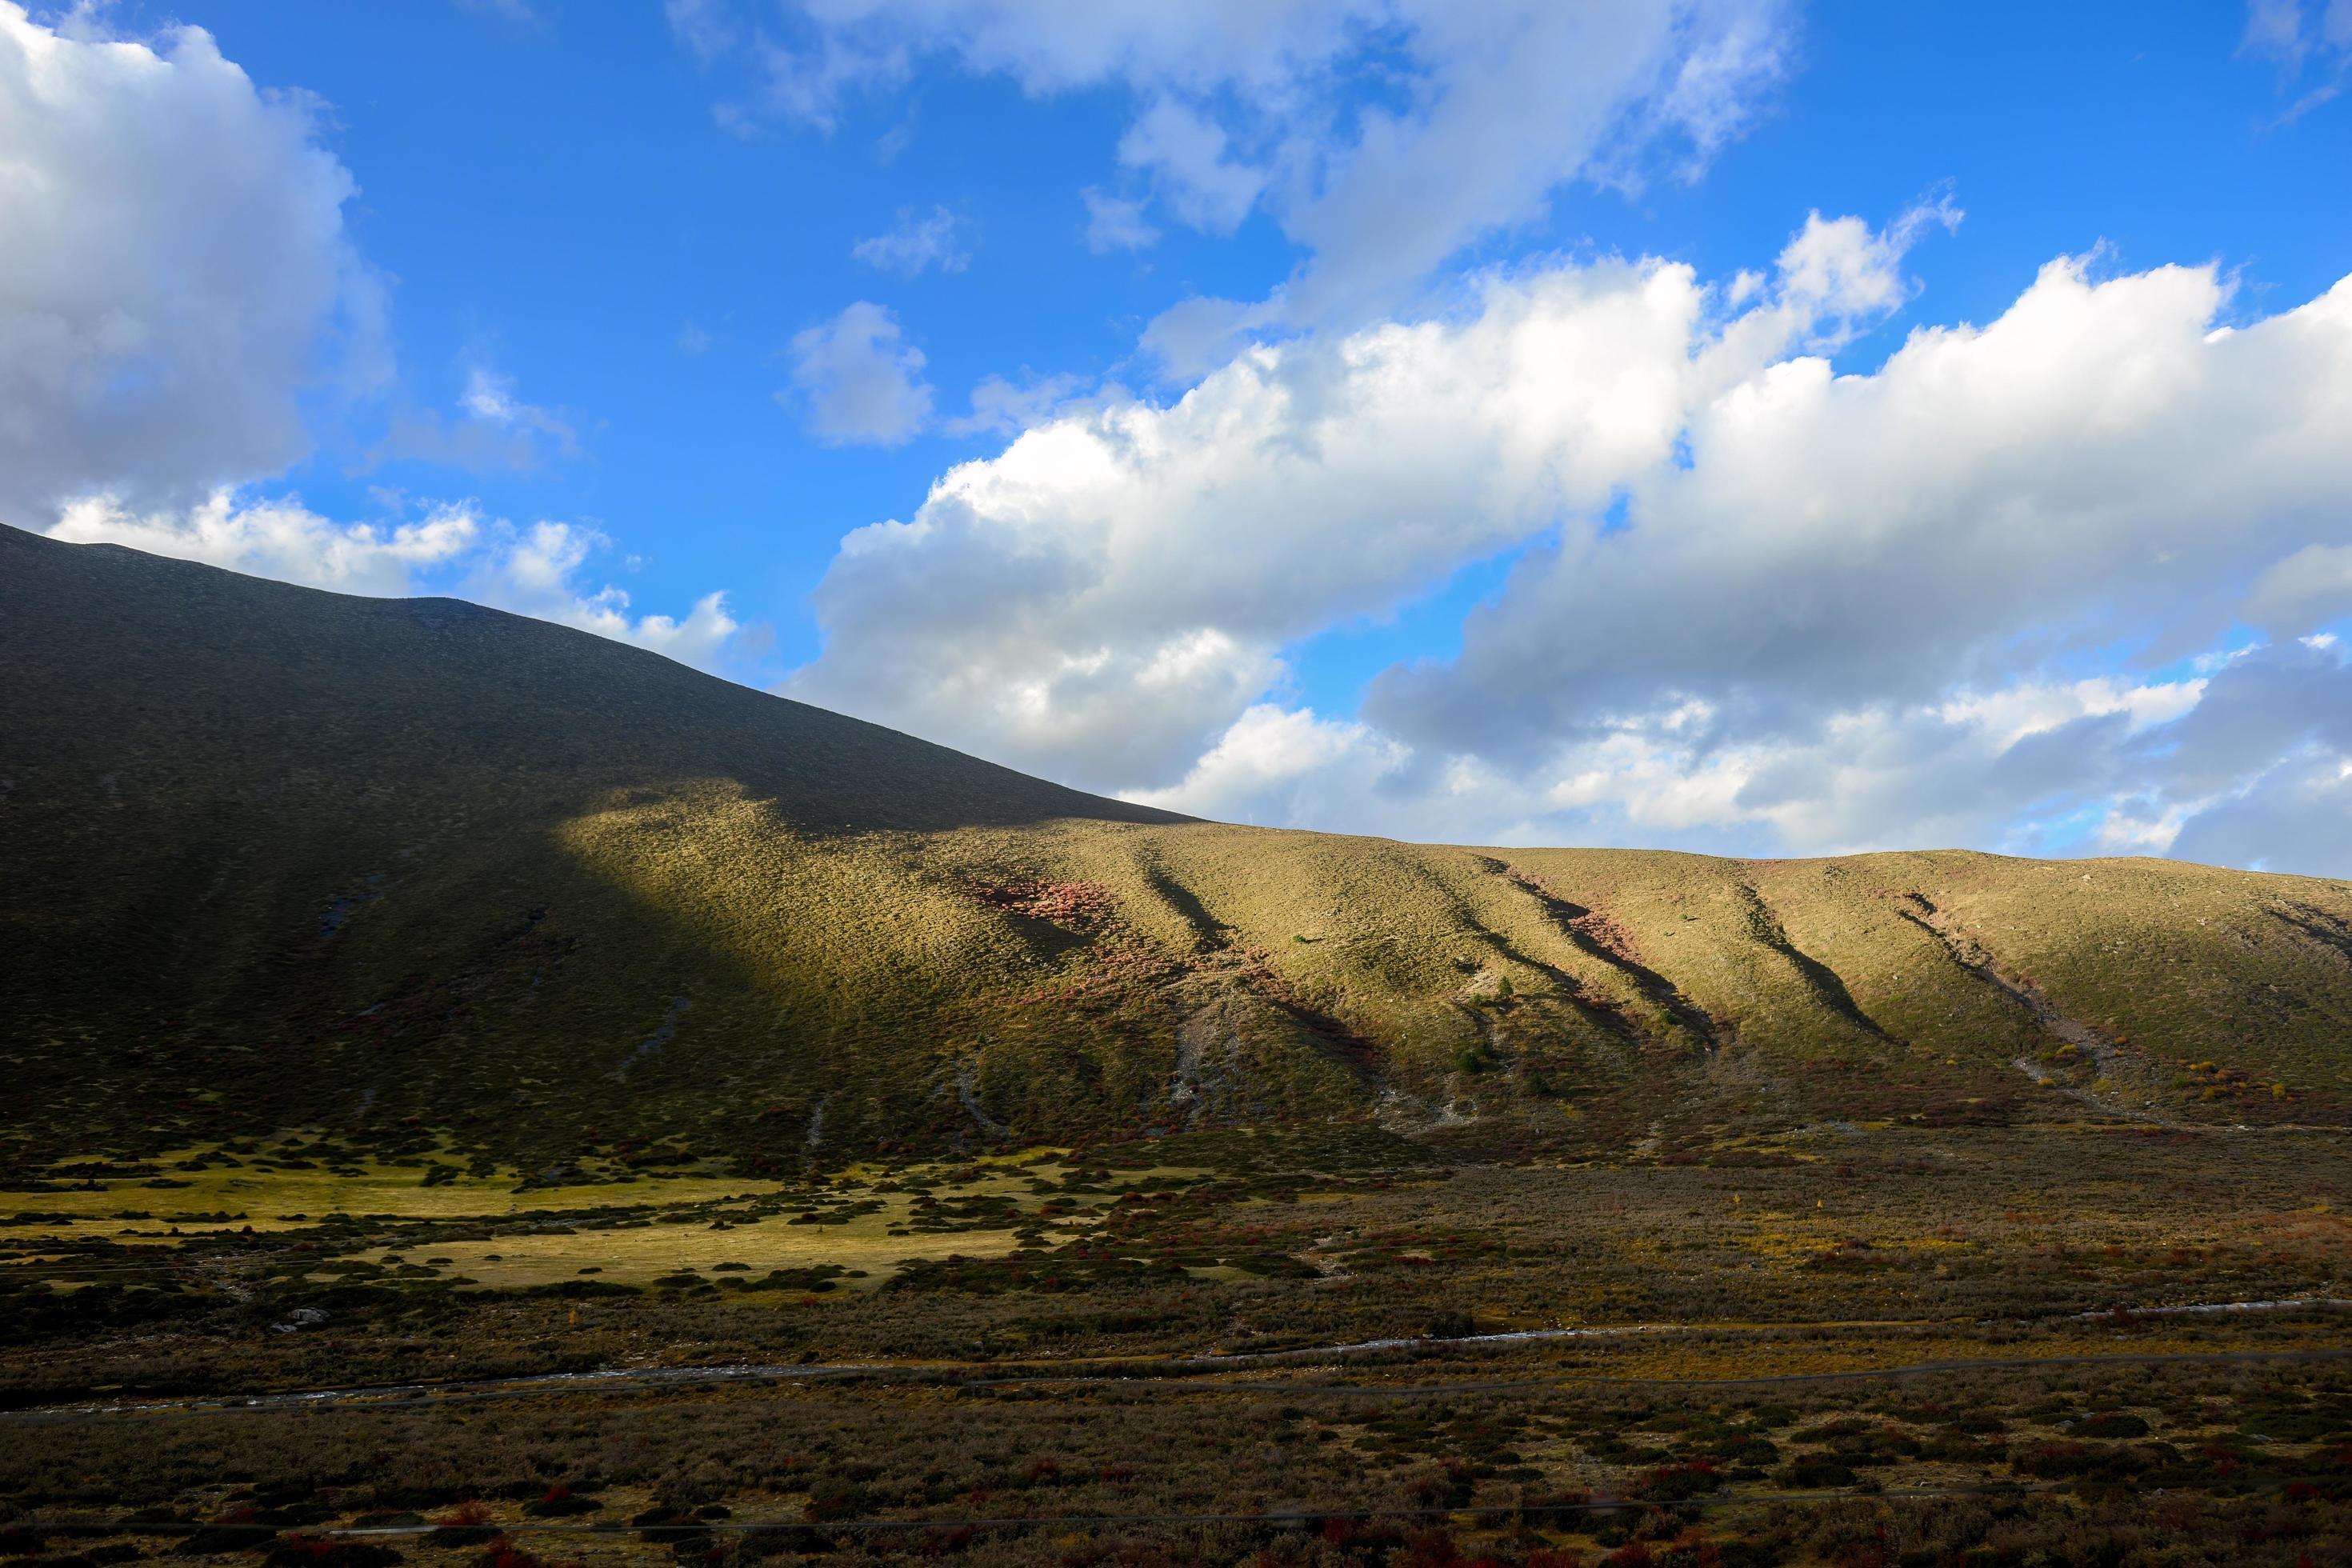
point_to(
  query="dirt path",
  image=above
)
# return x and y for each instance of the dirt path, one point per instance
(1299, 1519)
(2111, 1060)
(1179, 1374)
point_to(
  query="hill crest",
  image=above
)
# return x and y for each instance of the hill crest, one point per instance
(419, 869)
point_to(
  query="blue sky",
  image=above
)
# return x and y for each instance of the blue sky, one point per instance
(640, 303)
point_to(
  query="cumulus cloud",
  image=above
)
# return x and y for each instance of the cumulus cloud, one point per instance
(915, 244)
(2252, 766)
(1192, 159)
(175, 277)
(1289, 768)
(860, 381)
(2011, 770)
(1177, 548)
(539, 571)
(2099, 463)
(1482, 110)
(280, 538)
(1759, 605)
(175, 273)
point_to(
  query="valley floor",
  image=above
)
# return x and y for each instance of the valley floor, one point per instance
(1842, 1344)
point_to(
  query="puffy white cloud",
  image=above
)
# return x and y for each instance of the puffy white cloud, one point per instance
(175, 277)
(1483, 109)
(1190, 155)
(2099, 463)
(1132, 547)
(915, 244)
(174, 273)
(536, 570)
(1843, 274)
(863, 383)
(281, 538)
(2250, 767)
(1517, 100)
(1287, 768)
(1759, 605)
(539, 571)
(1991, 770)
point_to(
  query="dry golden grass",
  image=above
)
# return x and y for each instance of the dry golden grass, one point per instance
(425, 873)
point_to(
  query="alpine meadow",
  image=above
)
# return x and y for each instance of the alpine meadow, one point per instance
(1515, 851)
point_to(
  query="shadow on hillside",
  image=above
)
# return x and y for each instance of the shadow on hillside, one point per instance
(133, 659)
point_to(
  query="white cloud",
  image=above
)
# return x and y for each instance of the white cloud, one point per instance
(175, 271)
(914, 244)
(862, 382)
(2312, 585)
(174, 279)
(1519, 99)
(536, 570)
(2306, 38)
(1844, 274)
(1478, 113)
(2295, 816)
(707, 28)
(2293, 30)
(1001, 407)
(1195, 336)
(1759, 605)
(493, 429)
(1299, 485)
(2096, 464)
(1116, 222)
(281, 538)
(1190, 154)
(1287, 768)
(491, 398)
(2245, 772)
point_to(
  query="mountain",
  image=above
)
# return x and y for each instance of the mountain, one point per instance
(417, 870)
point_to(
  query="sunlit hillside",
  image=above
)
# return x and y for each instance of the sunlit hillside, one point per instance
(413, 870)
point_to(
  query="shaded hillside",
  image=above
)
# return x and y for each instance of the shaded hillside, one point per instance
(414, 869)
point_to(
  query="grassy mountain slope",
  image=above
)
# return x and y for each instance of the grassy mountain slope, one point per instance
(415, 869)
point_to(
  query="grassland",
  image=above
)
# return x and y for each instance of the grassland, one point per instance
(1932, 1344)
(483, 1095)
(457, 884)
